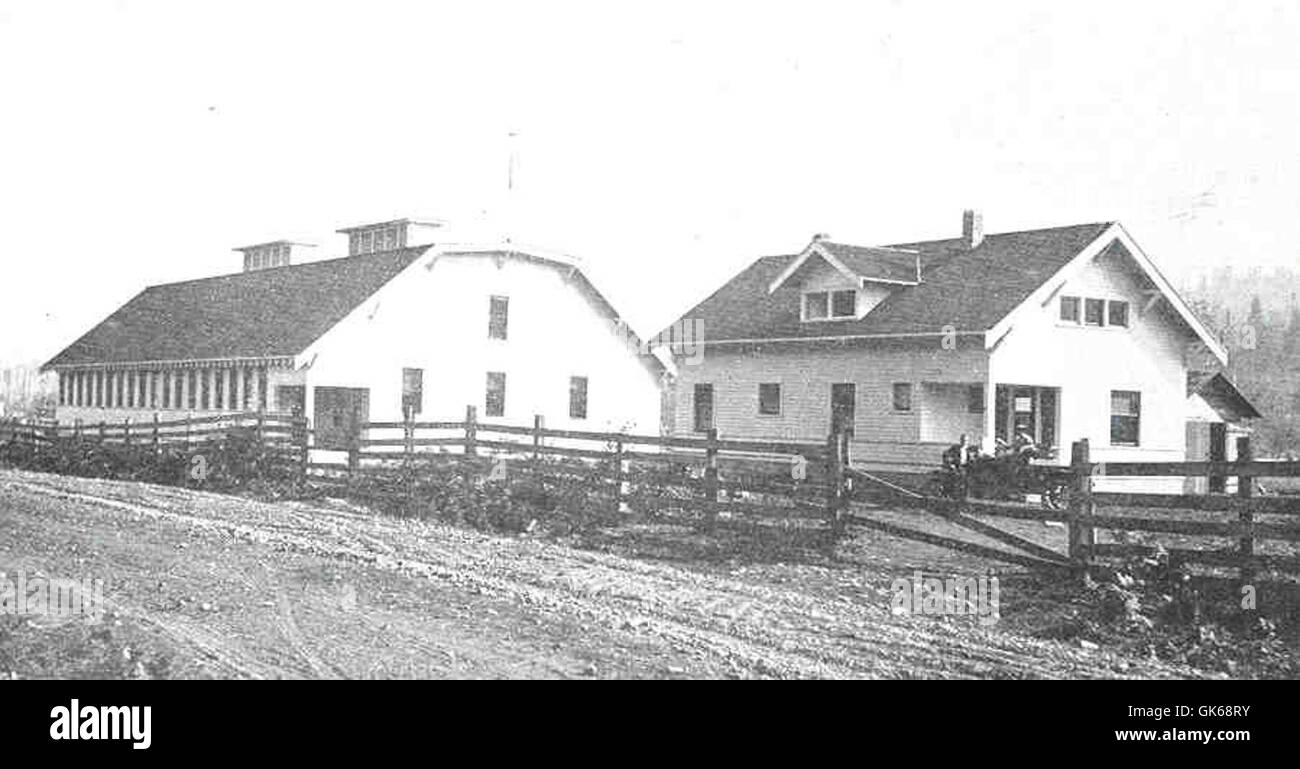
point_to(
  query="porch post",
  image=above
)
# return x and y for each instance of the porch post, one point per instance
(989, 443)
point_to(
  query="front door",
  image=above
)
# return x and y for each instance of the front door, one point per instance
(340, 414)
(843, 398)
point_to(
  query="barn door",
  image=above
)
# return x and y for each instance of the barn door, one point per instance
(340, 414)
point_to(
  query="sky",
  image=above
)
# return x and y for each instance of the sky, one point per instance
(666, 144)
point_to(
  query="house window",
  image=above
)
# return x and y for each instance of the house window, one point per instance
(1117, 313)
(703, 407)
(498, 317)
(495, 399)
(975, 399)
(1070, 309)
(577, 397)
(1093, 310)
(412, 391)
(769, 399)
(1125, 417)
(816, 306)
(844, 304)
(902, 396)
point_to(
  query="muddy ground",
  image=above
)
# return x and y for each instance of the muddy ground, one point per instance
(200, 585)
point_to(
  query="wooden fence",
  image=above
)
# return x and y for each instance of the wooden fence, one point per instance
(1172, 516)
(706, 474)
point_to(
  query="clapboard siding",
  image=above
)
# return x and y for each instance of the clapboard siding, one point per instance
(806, 375)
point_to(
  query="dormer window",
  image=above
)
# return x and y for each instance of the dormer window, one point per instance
(830, 305)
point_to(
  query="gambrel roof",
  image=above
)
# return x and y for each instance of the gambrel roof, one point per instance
(277, 312)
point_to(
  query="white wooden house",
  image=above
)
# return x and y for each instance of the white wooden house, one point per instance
(404, 321)
(1064, 333)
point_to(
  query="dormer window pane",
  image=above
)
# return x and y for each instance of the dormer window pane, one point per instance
(1094, 312)
(816, 305)
(844, 304)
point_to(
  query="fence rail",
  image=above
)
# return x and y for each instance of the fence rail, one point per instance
(704, 473)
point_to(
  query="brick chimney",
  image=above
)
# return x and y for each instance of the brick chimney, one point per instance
(972, 228)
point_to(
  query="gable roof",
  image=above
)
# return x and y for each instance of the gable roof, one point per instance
(857, 263)
(1222, 395)
(970, 290)
(264, 313)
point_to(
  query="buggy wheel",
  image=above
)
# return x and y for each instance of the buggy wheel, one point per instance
(1054, 496)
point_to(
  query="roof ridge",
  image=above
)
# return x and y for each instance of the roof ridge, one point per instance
(301, 265)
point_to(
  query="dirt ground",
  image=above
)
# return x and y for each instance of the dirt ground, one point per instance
(202, 585)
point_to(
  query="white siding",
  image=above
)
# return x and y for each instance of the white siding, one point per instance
(881, 435)
(1087, 363)
(437, 320)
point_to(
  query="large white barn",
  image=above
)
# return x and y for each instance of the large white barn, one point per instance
(404, 321)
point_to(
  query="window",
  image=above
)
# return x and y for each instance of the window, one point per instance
(1070, 309)
(412, 391)
(815, 306)
(495, 400)
(1125, 417)
(769, 399)
(1093, 310)
(975, 399)
(828, 305)
(498, 317)
(902, 396)
(703, 407)
(577, 397)
(1117, 313)
(844, 304)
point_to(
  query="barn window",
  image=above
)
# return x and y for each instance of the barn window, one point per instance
(1070, 309)
(769, 399)
(1094, 312)
(412, 391)
(577, 397)
(1125, 417)
(902, 396)
(498, 317)
(1117, 313)
(495, 400)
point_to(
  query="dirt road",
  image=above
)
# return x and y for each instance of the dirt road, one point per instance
(203, 585)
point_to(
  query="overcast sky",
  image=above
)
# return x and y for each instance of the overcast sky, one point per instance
(666, 144)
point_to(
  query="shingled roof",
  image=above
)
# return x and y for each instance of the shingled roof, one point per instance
(265, 313)
(968, 289)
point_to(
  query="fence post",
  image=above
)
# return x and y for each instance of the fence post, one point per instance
(126, 431)
(76, 428)
(408, 437)
(156, 438)
(1246, 516)
(304, 457)
(101, 431)
(538, 423)
(834, 479)
(620, 478)
(471, 430)
(354, 459)
(711, 479)
(188, 416)
(1081, 536)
